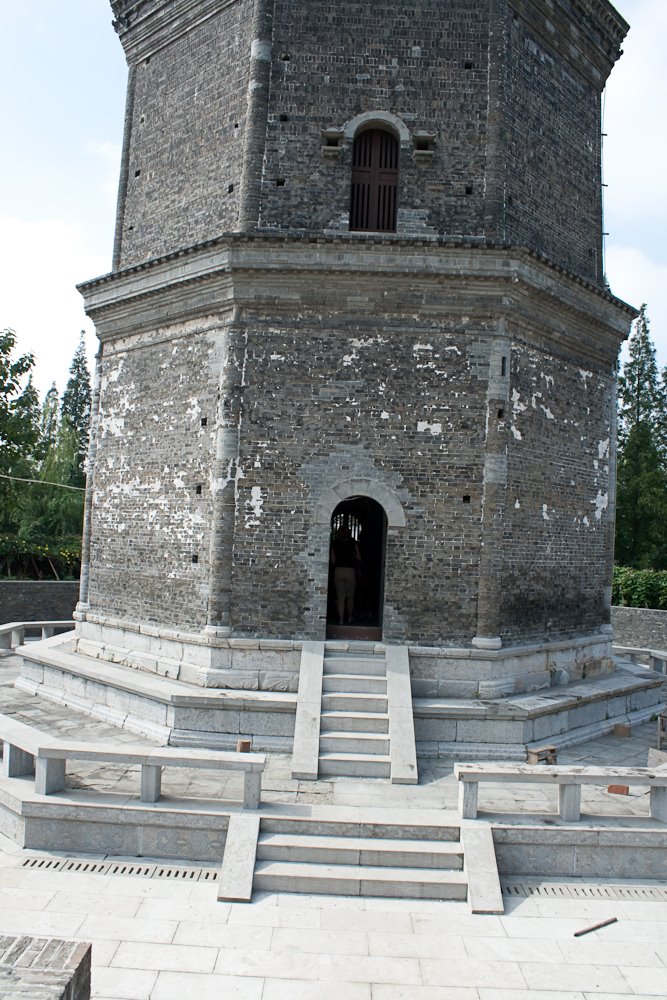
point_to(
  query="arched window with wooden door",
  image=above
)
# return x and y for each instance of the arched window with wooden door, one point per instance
(374, 201)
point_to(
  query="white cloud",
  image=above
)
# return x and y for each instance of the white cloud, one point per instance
(40, 263)
(636, 278)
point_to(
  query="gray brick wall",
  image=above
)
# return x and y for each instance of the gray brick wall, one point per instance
(466, 380)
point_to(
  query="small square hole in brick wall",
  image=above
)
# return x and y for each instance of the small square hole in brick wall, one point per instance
(280, 182)
(204, 421)
(195, 558)
(468, 65)
(137, 172)
(284, 118)
(198, 489)
(466, 498)
(285, 56)
(468, 188)
(501, 414)
(503, 366)
(236, 124)
(230, 188)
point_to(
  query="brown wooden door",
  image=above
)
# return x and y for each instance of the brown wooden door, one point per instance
(373, 202)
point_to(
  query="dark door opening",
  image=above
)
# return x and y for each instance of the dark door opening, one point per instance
(366, 522)
(373, 196)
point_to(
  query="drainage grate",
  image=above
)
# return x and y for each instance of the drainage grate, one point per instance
(580, 890)
(132, 868)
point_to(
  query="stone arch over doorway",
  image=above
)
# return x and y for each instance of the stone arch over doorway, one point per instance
(346, 488)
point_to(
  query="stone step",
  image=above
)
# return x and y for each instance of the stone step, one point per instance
(341, 850)
(345, 742)
(354, 722)
(343, 702)
(355, 765)
(354, 683)
(378, 827)
(355, 665)
(359, 880)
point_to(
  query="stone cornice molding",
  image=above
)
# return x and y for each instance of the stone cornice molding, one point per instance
(146, 26)
(586, 33)
(446, 280)
(266, 249)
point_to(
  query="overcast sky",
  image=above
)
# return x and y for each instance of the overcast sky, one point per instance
(63, 77)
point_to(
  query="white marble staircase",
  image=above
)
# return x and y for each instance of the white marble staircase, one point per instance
(401, 856)
(354, 721)
(354, 715)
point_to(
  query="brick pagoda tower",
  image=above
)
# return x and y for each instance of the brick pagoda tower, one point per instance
(357, 279)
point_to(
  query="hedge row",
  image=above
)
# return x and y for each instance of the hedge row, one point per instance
(640, 588)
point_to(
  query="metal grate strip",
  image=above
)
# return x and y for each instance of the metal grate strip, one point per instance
(574, 890)
(129, 868)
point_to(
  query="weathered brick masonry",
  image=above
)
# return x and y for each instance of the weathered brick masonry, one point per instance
(260, 362)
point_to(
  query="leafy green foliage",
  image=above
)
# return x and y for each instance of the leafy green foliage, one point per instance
(19, 431)
(643, 588)
(29, 560)
(42, 452)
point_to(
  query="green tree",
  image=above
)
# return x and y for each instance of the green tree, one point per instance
(75, 409)
(49, 422)
(641, 503)
(19, 426)
(641, 390)
(641, 497)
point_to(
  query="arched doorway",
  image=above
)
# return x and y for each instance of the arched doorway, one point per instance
(367, 524)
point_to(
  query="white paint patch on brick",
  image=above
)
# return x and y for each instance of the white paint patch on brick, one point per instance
(434, 429)
(254, 507)
(517, 405)
(585, 375)
(277, 357)
(418, 348)
(549, 379)
(603, 449)
(518, 436)
(517, 505)
(545, 512)
(384, 415)
(112, 425)
(547, 412)
(601, 503)
(194, 409)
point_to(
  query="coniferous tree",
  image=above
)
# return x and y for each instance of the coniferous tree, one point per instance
(75, 408)
(641, 496)
(49, 422)
(641, 503)
(641, 390)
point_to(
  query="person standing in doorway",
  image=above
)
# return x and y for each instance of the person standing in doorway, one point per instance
(346, 559)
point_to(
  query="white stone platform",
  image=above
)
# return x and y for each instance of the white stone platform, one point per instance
(170, 938)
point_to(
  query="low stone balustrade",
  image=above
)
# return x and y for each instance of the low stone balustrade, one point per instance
(13, 634)
(29, 751)
(569, 780)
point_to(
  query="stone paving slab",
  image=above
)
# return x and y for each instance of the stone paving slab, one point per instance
(164, 940)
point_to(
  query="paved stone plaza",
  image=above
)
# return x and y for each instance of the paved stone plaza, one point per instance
(157, 939)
